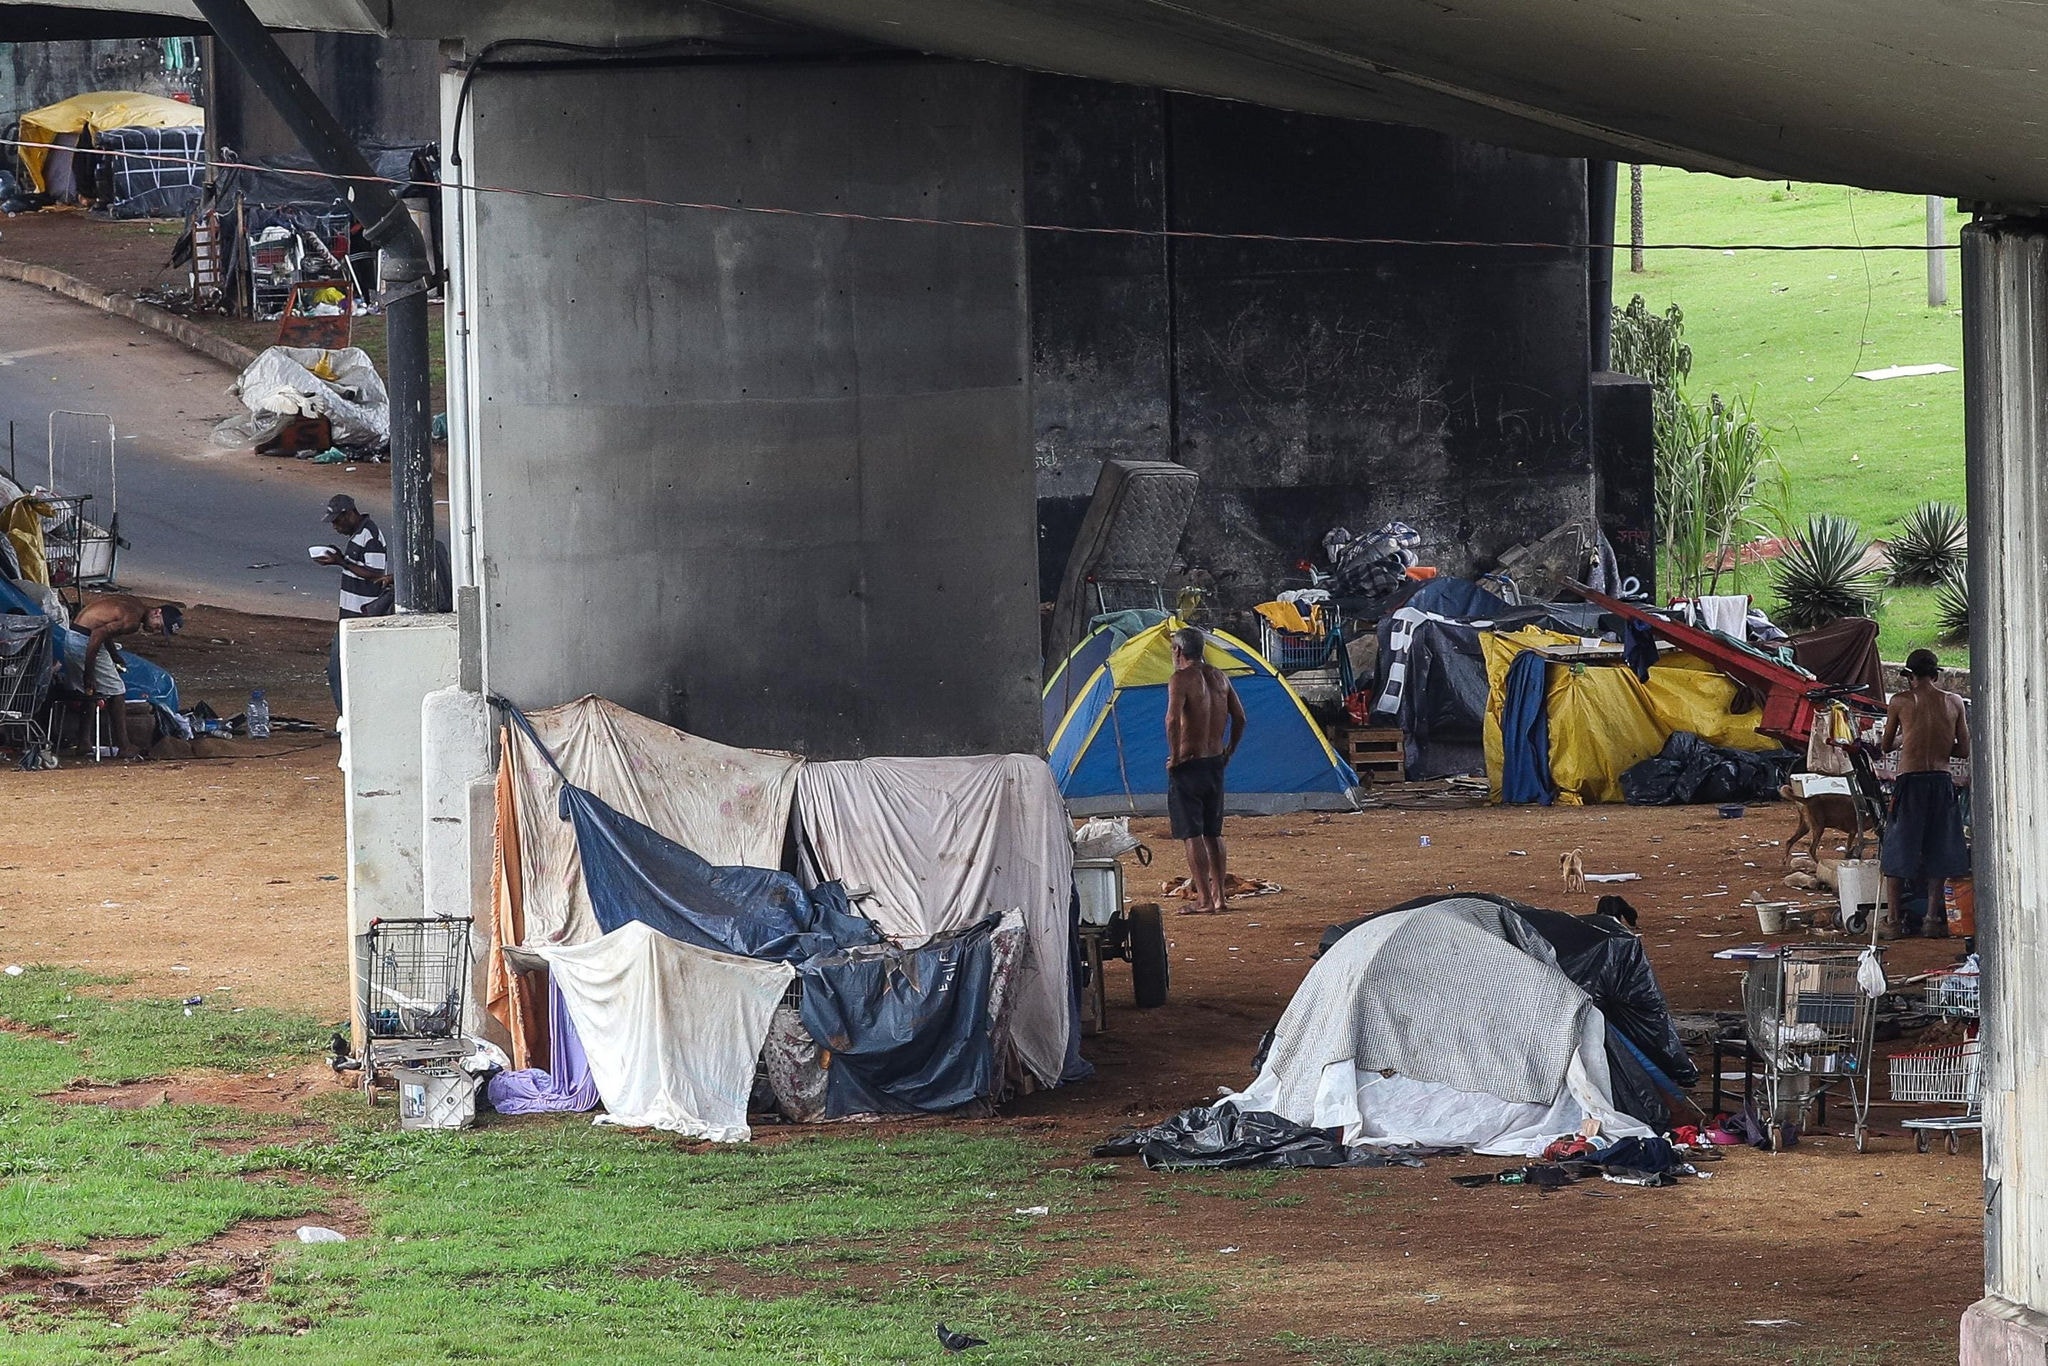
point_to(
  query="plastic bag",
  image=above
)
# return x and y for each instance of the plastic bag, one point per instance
(1105, 837)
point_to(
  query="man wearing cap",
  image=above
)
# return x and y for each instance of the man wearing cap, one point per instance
(1923, 840)
(365, 576)
(105, 619)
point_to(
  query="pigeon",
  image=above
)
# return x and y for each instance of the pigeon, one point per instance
(957, 1342)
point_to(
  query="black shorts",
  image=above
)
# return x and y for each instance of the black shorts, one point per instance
(1924, 838)
(1194, 798)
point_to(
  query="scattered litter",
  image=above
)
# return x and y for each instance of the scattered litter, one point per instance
(313, 1233)
(1614, 877)
(194, 1001)
(179, 967)
(1518, 853)
(1425, 842)
(1777, 1323)
(1232, 1248)
(14, 969)
(1033, 1210)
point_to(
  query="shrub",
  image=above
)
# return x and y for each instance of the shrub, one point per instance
(1933, 541)
(1952, 603)
(1821, 577)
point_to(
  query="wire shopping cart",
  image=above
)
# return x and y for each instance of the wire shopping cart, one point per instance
(412, 978)
(1940, 1076)
(1810, 1022)
(26, 644)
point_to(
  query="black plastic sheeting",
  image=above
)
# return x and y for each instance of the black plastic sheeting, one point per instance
(1691, 770)
(634, 872)
(1609, 964)
(1223, 1138)
(907, 1029)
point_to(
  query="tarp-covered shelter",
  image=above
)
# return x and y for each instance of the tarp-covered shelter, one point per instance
(1435, 1027)
(168, 135)
(1109, 753)
(147, 681)
(941, 982)
(1603, 719)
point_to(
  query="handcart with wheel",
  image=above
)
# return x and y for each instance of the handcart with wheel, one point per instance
(1810, 1023)
(1110, 930)
(412, 977)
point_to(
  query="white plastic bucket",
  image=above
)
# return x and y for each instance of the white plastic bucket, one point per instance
(1859, 889)
(1770, 916)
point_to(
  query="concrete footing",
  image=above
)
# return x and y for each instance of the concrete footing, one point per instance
(1997, 1332)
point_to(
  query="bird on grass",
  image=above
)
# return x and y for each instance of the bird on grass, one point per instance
(957, 1342)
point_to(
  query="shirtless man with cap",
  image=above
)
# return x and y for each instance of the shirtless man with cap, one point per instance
(1923, 840)
(106, 618)
(1200, 707)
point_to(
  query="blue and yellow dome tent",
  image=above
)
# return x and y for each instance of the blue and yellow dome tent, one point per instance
(1109, 752)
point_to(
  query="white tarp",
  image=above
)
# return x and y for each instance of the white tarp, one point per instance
(1427, 1026)
(288, 381)
(728, 806)
(672, 1031)
(940, 844)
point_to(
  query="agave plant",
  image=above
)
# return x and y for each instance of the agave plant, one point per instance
(1933, 541)
(1821, 576)
(1952, 602)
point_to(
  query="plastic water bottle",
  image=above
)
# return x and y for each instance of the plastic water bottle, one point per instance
(259, 716)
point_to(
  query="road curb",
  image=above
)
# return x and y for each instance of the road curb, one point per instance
(183, 330)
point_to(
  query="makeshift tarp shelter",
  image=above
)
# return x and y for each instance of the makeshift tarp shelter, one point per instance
(1843, 653)
(943, 844)
(287, 382)
(1434, 1027)
(954, 965)
(1603, 720)
(1109, 754)
(120, 121)
(1645, 1056)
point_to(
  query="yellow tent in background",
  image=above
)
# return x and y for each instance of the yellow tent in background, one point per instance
(86, 115)
(1604, 721)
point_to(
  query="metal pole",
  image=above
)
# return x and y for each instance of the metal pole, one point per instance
(1937, 259)
(388, 226)
(1635, 219)
(1600, 264)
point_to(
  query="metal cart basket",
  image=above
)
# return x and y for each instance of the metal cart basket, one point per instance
(413, 976)
(1937, 1076)
(1810, 1023)
(25, 669)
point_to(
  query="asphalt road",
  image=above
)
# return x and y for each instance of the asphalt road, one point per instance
(229, 528)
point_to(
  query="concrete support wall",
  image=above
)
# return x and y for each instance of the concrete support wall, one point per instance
(385, 91)
(1312, 385)
(764, 477)
(388, 666)
(2005, 347)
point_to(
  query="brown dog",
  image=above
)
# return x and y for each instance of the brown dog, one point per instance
(1820, 813)
(1573, 865)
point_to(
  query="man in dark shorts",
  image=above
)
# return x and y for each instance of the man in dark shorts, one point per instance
(1923, 840)
(106, 618)
(1204, 723)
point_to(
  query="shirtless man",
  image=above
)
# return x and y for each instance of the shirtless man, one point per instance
(1923, 841)
(106, 618)
(1200, 706)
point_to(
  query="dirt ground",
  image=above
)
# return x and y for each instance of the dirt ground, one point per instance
(224, 875)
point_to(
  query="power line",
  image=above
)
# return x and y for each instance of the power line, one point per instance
(909, 220)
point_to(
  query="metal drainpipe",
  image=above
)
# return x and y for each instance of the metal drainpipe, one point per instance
(1600, 265)
(388, 226)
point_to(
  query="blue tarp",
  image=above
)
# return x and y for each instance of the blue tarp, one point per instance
(1525, 732)
(634, 872)
(907, 1029)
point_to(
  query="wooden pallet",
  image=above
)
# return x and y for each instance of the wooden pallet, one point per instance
(1379, 753)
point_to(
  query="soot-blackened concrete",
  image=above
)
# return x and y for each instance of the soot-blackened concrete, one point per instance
(1311, 385)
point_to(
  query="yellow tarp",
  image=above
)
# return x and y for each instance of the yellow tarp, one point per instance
(93, 113)
(1603, 721)
(21, 521)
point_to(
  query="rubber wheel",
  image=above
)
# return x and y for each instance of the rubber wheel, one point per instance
(1149, 973)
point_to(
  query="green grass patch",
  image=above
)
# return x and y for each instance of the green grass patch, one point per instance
(1791, 328)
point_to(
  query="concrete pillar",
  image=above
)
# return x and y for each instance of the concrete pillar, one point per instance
(2005, 334)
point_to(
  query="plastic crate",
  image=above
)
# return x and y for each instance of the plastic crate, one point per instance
(1937, 1076)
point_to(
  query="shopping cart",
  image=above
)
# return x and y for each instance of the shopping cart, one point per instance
(1940, 1076)
(25, 673)
(1810, 1024)
(412, 977)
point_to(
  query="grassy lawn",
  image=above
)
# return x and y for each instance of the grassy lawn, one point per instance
(1791, 328)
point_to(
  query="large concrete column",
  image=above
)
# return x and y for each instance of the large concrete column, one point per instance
(2005, 329)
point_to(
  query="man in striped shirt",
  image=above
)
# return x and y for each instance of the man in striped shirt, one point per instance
(365, 576)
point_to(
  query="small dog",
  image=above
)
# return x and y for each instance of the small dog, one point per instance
(1573, 866)
(1820, 813)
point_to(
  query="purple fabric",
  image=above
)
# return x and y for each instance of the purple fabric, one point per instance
(566, 1085)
